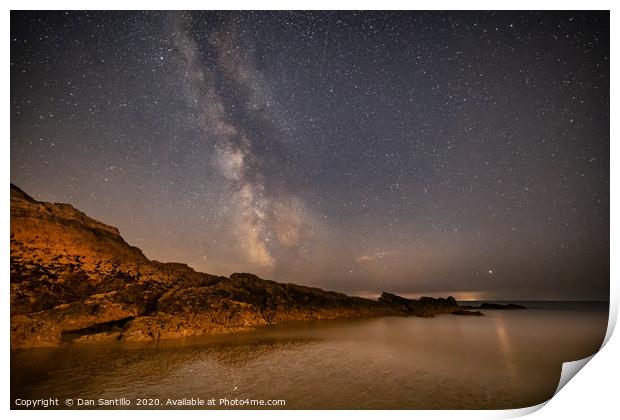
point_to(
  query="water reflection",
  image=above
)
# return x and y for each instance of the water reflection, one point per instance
(502, 360)
(505, 347)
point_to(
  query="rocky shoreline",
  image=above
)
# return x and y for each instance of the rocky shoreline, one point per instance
(74, 279)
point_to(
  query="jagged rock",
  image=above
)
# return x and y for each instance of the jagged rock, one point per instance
(467, 313)
(74, 279)
(98, 337)
(424, 307)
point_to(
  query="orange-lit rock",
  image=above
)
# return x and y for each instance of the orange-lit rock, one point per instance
(75, 279)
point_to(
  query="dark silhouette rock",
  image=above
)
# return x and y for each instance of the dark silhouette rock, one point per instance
(509, 306)
(467, 313)
(493, 306)
(423, 307)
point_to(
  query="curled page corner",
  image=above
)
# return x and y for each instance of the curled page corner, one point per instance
(521, 412)
(613, 317)
(570, 369)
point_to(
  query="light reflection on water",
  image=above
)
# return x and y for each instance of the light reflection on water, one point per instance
(507, 359)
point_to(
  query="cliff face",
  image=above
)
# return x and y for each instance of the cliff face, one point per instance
(74, 278)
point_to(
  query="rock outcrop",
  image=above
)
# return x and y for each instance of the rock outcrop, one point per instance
(423, 307)
(74, 279)
(462, 312)
(507, 307)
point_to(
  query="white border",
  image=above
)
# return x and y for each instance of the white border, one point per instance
(593, 394)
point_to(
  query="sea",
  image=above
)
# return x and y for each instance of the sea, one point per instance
(505, 359)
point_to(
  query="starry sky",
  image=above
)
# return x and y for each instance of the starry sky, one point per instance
(434, 153)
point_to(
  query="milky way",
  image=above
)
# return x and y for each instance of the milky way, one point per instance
(414, 152)
(262, 221)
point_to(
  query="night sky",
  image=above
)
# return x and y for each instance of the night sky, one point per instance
(434, 153)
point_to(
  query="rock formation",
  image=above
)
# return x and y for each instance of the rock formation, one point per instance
(75, 279)
(508, 307)
(423, 307)
(467, 313)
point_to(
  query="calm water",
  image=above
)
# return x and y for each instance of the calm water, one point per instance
(506, 359)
